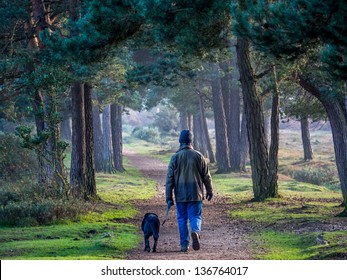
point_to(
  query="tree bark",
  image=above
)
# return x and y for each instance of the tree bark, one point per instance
(231, 101)
(65, 129)
(306, 138)
(90, 166)
(107, 140)
(190, 122)
(205, 131)
(222, 149)
(235, 105)
(273, 153)
(336, 109)
(98, 141)
(117, 143)
(37, 22)
(267, 126)
(255, 123)
(197, 132)
(39, 114)
(78, 156)
(183, 120)
(199, 140)
(235, 150)
(244, 144)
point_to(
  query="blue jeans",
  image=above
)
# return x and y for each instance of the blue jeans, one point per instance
(188, 211)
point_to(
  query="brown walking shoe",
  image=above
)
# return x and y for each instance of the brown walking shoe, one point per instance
(196, 240)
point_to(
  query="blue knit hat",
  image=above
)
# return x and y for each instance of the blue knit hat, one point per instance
(186, 137)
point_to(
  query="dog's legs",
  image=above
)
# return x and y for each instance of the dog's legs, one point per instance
(155, 245)
(147, 247)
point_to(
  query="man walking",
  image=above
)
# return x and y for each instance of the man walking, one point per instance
(187, 175)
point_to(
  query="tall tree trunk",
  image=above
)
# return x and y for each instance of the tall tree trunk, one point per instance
(90, 169)
(231, 101)
(235, 150)
(235, 107)
(78, 156)
(38, 23)
(117, 143)
(336, 110)
(190, 126)
(202, 135)
(222, 149)
(197, 132)
(306, 138)
(55, 157)
(98, 141)
(255, 123)
(244, 144)
(199, 137)
(39, 114)
(205, 131)
(275, 124)
(183, 119)
(267, 126)
(65, 129)
(107, 140)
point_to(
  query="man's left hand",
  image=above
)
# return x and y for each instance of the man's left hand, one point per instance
(209, 196)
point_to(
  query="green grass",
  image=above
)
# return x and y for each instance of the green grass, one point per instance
(73, 241)
(99, 234)
(285, 245)
(284, 228)
(277, 245)
(301, 207)
(162, 151)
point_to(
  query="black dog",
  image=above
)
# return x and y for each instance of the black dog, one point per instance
(150, 226)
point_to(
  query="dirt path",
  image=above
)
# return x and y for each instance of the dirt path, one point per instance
(221, 237)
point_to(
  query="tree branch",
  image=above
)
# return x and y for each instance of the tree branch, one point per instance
(308, 86)
(6, 98)
(264, 73)
(200, 93)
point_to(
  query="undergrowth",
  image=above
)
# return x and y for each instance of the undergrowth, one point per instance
(101, 231)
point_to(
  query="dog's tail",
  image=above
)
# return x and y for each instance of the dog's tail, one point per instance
(155, 231)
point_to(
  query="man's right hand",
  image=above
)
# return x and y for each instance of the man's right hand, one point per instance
(169, 202)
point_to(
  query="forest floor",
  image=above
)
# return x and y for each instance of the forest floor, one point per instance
(221, 236)
(298, 225)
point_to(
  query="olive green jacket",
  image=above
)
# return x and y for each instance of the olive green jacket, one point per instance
(187, 174)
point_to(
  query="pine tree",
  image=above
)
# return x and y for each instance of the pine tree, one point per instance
(312, 35)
